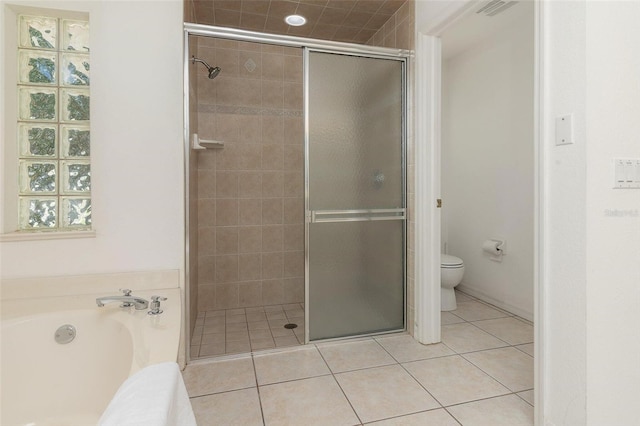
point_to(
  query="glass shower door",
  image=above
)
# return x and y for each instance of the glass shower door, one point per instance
(355, 211)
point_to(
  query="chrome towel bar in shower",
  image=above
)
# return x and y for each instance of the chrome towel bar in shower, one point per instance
(365, 215)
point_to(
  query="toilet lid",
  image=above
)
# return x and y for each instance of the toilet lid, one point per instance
(449, 261)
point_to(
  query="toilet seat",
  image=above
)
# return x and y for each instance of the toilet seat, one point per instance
(448, 261)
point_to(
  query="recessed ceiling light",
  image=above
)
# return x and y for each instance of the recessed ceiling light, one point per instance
(295, 20)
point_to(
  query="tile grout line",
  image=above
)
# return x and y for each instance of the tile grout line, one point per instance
(514, 317)
(338, 383)
(421, 385)
(488, 319)
(410, 375)
(488, 349)
(480, 350)
(452, 416)
(509, 345)
(527, 390)
(221, 392)
(522, 350)
(486, 399)
(411, 414)
(255, 376)
(491, 334)
(296, 380)
(486, 372)
(385, 349)
(435, 399)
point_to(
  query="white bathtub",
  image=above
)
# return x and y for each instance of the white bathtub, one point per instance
(47, 383)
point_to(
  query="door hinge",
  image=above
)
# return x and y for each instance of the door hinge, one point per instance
(439, 203)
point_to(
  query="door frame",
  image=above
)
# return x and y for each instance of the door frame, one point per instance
(427, 189)
(427, 183)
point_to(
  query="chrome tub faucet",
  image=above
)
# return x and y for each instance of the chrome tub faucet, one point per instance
(127, 300)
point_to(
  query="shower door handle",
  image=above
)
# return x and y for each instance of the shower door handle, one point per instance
(364, 215)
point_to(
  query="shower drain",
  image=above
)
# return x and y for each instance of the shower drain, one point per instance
(290, 326)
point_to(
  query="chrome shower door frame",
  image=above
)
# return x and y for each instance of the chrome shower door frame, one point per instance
(191, 29)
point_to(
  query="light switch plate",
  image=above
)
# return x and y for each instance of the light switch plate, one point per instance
(564, 130)
(626, 173)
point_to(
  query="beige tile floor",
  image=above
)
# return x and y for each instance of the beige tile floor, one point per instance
(480, 375)
(243, 330)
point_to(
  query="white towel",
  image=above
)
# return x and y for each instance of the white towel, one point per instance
(154, 396)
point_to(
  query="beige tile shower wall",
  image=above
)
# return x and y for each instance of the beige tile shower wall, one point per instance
(250, 193)
(399, 32)
(189, 11)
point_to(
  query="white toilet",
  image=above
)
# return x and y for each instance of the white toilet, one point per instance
(451, 273)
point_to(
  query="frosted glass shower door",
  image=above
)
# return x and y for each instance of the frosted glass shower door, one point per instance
(356, 195)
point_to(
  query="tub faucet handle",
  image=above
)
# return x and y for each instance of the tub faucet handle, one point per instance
(155, 305)
(126, 292)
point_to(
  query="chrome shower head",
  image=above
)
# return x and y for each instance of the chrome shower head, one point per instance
(213, 71)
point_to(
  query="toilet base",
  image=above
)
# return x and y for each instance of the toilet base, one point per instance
(448, 299)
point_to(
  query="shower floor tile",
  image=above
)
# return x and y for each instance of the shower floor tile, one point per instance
(240, 330)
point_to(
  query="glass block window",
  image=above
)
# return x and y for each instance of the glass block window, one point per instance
(54, 135)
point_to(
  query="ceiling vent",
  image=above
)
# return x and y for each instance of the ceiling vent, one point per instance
(495, 6)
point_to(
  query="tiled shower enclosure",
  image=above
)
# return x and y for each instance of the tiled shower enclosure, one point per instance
(246, 200)
(249, 205)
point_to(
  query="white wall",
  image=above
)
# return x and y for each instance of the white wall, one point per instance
(590, 290)
(591, 285)
(488, 157)
(564, 224)
(137, 148)
(613, 239)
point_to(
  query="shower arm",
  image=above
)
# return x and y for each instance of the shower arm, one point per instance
(194, 60)
(213, 71)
